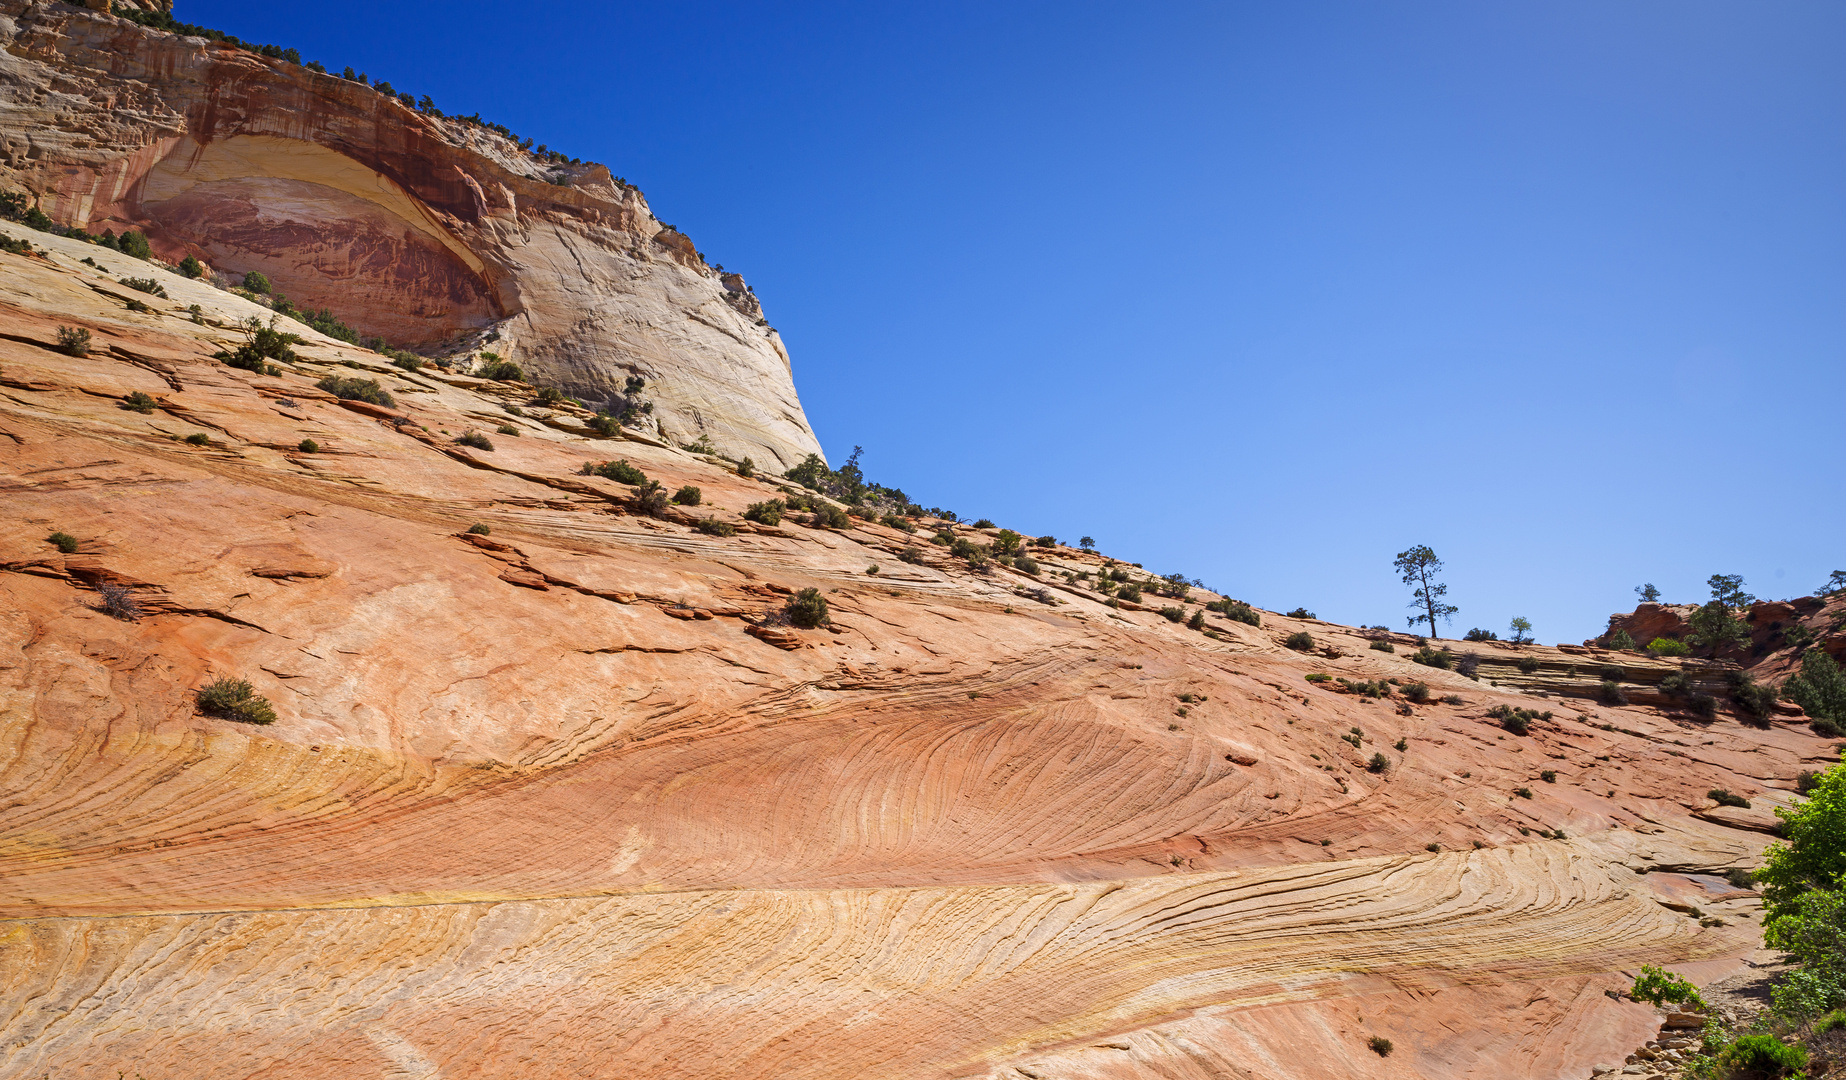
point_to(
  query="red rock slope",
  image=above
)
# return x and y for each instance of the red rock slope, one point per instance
(420, 229)
(551, 802)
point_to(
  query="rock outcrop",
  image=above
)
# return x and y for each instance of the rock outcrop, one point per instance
(431, 232)
(563, 798)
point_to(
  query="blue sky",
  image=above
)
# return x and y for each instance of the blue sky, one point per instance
(1260, 293)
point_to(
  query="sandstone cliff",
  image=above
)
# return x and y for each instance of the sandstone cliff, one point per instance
(430, 232)
(559, 800)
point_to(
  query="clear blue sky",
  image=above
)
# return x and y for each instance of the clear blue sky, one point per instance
(1264, 293)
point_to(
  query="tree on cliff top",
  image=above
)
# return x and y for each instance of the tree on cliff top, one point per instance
(1419, 567)
(1647, 593)
(1716, 623)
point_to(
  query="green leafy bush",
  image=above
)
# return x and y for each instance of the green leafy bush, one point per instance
(480, 529)
(1130, 592)
(1478, 634)
(191, 267)
(1383, 646)
(1549, 776)
(235, 699)
(498, 369)
(308, 446)
(1755, 702)
(828, 516)
(1819, 688)
(1378, 764)
(984, 523)
(507, 429)
(1300, 641)
(355, 389)
(1516, 720)
(650, 499)
(619, 471)
(1300, 613)
(73, 341)
(1723, 797)
(1236, 611)
(1528, 664)
(1197, 621)
(63, 541)
(770, 513)
(139, 402)
(1610, 692)
(146, 285)
(198, 438)
(911, 554)
(474, 439)
(1173, 614)
(1417, 692)
(1762, 1056)
(1380, 1045)
(1619, 640)
(257, 282)
(1524, 792)
(1659, 987)
(688, 496)
(714, 527)
(1025, 564)
(1666, 646)
(807, 609)
(1435, 658)
(134, 243)
(261, 344)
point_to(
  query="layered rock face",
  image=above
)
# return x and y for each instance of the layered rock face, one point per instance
(561, 799)
(428, 232)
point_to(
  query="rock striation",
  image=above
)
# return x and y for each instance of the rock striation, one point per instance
(431, 232)
(565, 798)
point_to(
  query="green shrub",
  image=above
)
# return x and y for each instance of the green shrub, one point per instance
(688, 496)
(828, 516)
(1549, 776)
(191, 267)
(1417, 692)
(892, 521)
(480, 529)
(499, 370)
(1379, 1044)
(770, 513)
(1378, 764)
(1025, 564)
(1172, 614)
(746, 468)
(507, 429)
(1006, 542)
(548, 395)
(1762, 1056)
(1300, 641)
(1666, 646)
(1740, 878)
(63, 541)
(605, 425)
(1197, 621)
(73, 341)
(134, 242)
(650, 499)
(1619, 640)
(139, 402)
(308, 446)
(20, 247)
(1400, 746)
(1755, 702)
(984, 523)
(1045, 542)
(1478, 634)
(1723, 797)
(256, 281)
(146, 285)
(1130, 592)
(1659, 987)
(474, 439)
(714, 527)
(1383, 646)
(1469, 665)
(911, 554)
(409, 361)
(1429, 657)
(619, 471)
(1528, 664)
(1524, 792)
(235, 699)
(807, 609)
(261, 344)
(1820, 688)
(1301, 613)
(198, 438)
(1610, 693)
(354, 389)
(1237, 611)
(1516, 720)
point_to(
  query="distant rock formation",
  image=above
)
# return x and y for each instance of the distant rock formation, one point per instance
(430, 232)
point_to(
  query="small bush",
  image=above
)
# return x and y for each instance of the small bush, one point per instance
(1400, 746)
(1130, 592)
(1300, 613)
(73, 341)
(235, 699)
(1197, 622)
(1452, 699)
(1524, 792)
(1045, 542)
(1658, 987)
(480, 529)
(63, 541)
(146, 285)
(257, 282)
(650, 499)
(354, 389)
(1429, 657)
(198, 438)
(746, 468)
(308, 446)
(1236, 611)
(1477, 634)
(1666, 646)
(984, 523)
(1807, 781)
(911, 554)
(807, 609)
(1172, 614)
(474, 439)
(1528, 664)
(134, 242)
(688, 496)
(828, 516)
(1611, 693)
(1380, 1045)
(1300, 641)
(1516, 720)
(605, 425)
(1384, 646)
(548, 395)
(1378, 764)
(1469, 665)
(1723, 797)
(1762, 1056)
(1025, 564)
(507, 429)
(191, 267)
(770, 513)
(1432, 847)
(138, 306)
(1619, 640)
(714, 527)
(1549, 776)
(500, 370)
(1417, 692)
(139, 402)
(118, 602)
(1740, 878)
(1755, 702)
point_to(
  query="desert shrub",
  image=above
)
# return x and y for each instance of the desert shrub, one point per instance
(1703, 706)
(1611, 673)
(261, 344)
(1618, 639)
(807, 609)
(911, 554)
(1435, 658)
(1819, 688)
(1516, 720)
(1129, 592)
(198, 438)
(1762, 1056)
(136, 305)
(1236, 611)
(1380, 1045)
(1740, 878)
(714, 527)
(1666, 646)
(1528, 664)
(1417, 692)
(650, 499)
(1755, 702)
(118, 602)
(499, 370)
(1610, 693)
(63, 541)
(1045, 542)
(770, 513)
(191, 267)
(892, 521)
(409, 361)
(475, 439)
(1524, 792)
(1469, 665)
(828, 516)
(1659, 987)
(146, 285)
(1173, 614)
(235, 699)
(1378, 764)
(1197, 621)
(134, 242)
(1300, 641)
(1300, 613)
(507, 429)
(73, 341)
(1006, 541)
(548, 395)
(1025, 564)
(308, 446)
(139, 402)
(1723, 797)
(605, 425)
(480, 529)
(984, 523)
(1477, 634)
(619, 471)
(1384, 646)
(688, 496)
(1549, 776)
(746, 468)
(256, 281)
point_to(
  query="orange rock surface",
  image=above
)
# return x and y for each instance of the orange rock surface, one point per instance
(555, 801)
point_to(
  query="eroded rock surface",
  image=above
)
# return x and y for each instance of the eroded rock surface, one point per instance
(555, 801)
(424, 230)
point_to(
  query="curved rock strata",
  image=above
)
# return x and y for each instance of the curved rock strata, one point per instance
(554, 801)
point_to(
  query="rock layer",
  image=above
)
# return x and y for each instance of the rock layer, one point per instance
(424, 230)
(558, 800)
